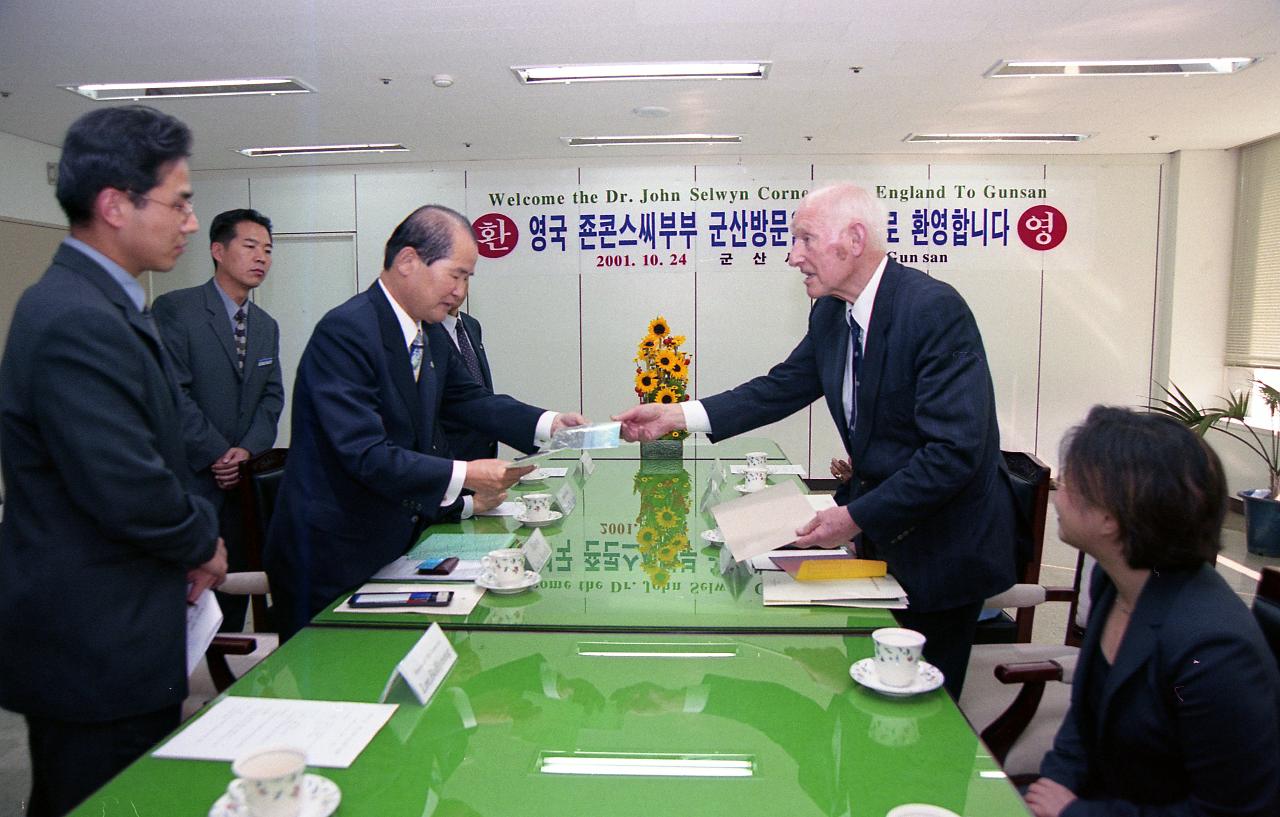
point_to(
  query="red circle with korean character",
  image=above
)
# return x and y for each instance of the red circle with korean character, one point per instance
(1042, 227)
(496, 235)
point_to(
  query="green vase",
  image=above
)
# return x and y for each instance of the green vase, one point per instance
(662, 450)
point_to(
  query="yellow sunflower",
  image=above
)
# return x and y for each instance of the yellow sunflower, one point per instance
(681, 542)
(648, 344)
(677, 340)
(646, 536)
(666, 517)
(666, 360)
(677, 369)
(645, 382)
(666, 396)
(666, 553)
(658, 327)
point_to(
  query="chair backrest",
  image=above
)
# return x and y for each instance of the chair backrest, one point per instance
(1266, 608)
(259, 484)
(1030, 478)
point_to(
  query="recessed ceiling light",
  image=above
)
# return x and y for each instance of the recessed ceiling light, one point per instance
(1119, 68)
(312, 150)
(620, 71)
(656, 139)
(103, 92)
(996, 137)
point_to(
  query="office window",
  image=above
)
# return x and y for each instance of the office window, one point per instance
(1253, 325)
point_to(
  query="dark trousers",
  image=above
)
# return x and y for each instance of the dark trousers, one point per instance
(231, 528)
(70, 760)
(949, 638)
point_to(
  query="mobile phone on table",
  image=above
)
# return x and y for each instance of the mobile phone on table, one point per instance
(438, 566)
(426, 598)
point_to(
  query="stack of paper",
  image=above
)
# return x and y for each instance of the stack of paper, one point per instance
(760, 522)
(469, 548)
(885, 592)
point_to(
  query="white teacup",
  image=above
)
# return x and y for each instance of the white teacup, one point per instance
(757, 459)
(269, 781)
(537, 507)
(755, 478)
(504, 566)
(897, 655)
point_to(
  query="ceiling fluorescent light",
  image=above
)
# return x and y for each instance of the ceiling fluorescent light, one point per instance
(622, 71)
(313, 150)
(657, 139)
(114, 91)
(996, 137)
(1119, 68)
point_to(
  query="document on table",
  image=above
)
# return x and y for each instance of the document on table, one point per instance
(763, 521)
(405, 569)
(465, 598)
(504, 509)
(333, 733)
(203, 620)
(781, 589)
(765, 560)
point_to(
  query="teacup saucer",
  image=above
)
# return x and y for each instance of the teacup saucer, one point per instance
(927, 679)
(320, 798)
(530, 579)
(523, 519)
(714, 535)
(743, 488)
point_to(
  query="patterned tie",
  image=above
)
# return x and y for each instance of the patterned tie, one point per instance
(855, 358)
(469, 354)
(416, 352)
(242, 338)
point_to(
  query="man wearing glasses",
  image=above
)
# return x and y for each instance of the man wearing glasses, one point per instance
(102, 545)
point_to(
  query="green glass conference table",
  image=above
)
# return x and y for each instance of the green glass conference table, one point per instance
(566, 724)
(631, 557)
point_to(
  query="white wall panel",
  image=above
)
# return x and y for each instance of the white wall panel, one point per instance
(311, 275)
(307, 202)
(385, 198)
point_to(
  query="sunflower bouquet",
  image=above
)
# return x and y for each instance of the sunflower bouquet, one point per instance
(662, 370)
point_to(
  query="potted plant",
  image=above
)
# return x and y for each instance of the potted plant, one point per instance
(1261, 508)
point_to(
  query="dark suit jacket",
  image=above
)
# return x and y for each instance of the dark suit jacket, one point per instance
(1189, 718)
(367, 465)
(241, 410)
(465, 443)
(98, 528)
(928, 489)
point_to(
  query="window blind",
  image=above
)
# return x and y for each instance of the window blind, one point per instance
(1253, 324)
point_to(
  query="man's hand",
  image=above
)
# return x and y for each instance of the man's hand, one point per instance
(1047, 798)
(567, 421)
(493, 476)
(841, 469)
(226, 469)
(830, 528)
(487, 501)
(208, 575)
(649, 421)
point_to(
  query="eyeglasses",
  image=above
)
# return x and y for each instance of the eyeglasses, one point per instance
(186, 207)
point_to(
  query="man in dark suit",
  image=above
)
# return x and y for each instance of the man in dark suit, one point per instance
(368, 465)
(101, 546)
(465, 443)
(226, 352)
(899, 359)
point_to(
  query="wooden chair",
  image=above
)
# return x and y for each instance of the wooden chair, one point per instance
(259, 483)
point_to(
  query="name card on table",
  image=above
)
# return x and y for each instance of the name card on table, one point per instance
(425, 666)
(586, 465)
(536, 550)
(567, 499)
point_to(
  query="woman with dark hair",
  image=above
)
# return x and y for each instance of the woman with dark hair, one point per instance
(1175, 704)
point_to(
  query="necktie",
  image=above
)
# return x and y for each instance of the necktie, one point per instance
(242, 338)
(469, 354)
(415, 353)
(855, 357)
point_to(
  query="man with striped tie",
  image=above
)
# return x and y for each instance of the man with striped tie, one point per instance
(226, 353)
